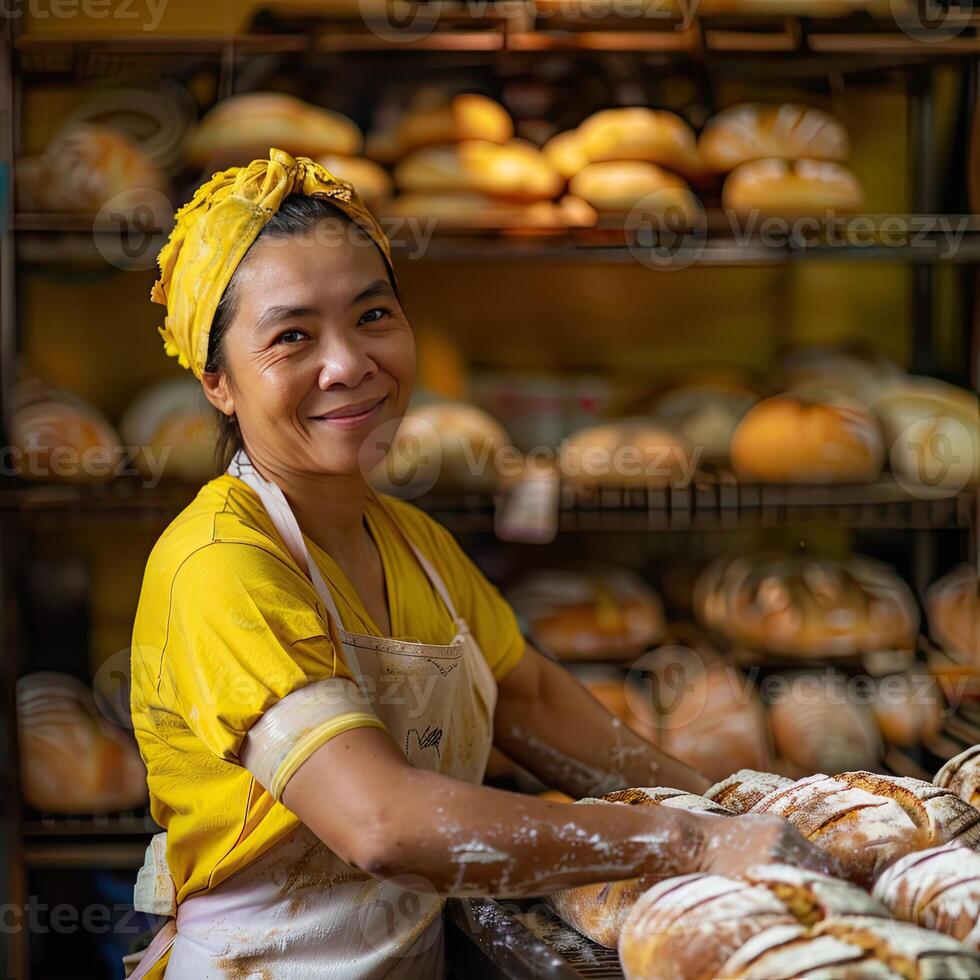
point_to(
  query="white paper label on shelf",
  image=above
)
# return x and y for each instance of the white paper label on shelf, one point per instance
(529, 512)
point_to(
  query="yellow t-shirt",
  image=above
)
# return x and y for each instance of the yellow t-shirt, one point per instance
(228, 624)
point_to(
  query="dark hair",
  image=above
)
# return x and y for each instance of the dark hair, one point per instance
(299, 215)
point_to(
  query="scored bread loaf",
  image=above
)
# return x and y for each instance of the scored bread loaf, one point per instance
(953, 607)
(620, 185)
(961, 774)
(743, 789)
(863, 830)
(752, 131)
(796, 438)
(938, 888)
(806, 188)
(908, 708)
(687, 927)
(599, 910)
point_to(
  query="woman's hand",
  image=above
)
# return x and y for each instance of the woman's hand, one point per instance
(733, 844)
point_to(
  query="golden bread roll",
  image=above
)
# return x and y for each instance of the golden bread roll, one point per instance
(588, 612)
(953, 606)
(908, 708)
(807, 607)
(599, 910)
(244, 127)
(620, 185)
(932, 432)
(72, 759)
(515, 171)
(175, 428)
(704, 415)
(635, 452)
(566, 153)
(555, 796)
(640, 133)
(743, 789)
(817, 730)
(794, 439)
(87, 165)
(468, 210)
(961, 774)
(449, 445)
(938, 888)
(865, 831)
(805, 188)
(371, 181)
(753, 131)
(689, 926)
(59, 437)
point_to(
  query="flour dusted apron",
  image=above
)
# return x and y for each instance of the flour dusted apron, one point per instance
(298, 912)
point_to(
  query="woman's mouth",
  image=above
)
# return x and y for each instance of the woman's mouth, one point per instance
(345, 420)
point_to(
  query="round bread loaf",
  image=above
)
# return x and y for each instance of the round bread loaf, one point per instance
(632, 452)
(865, 831)
(566, 153)
(469, 210)
(753, 131)
(795, 439)
(588, 612)
(598, 910)
(516, 171)
(743, 789)
(908, 708)
(816, 729)
(620, 185)
(806, 188)
(961, 774)
(242, 128)
(704, 415)
(938, 888)
(953, 607)
(806, 607)
(372, 182)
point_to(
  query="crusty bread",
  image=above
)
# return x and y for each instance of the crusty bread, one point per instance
(938, 888)
(806, 607)
(516, 171)
(469, 210)
(371, 181)
(244, 127)
(818, 730)
(961, 774)
(953, 608)
(908, 708)
(863, 830)
(752, 131)
(793, 438)
(598, 910)
(620, 185)
(566, 153)
(743, 789)
(704, 414)
(588, 612)
(806, 188)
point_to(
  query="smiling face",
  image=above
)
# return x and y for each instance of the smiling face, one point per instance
(318, 353)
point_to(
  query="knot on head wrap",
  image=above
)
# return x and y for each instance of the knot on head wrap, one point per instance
(214, 230)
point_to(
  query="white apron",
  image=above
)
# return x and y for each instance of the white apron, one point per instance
(298, 912)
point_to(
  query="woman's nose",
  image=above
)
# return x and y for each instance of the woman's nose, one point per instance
(344, 361)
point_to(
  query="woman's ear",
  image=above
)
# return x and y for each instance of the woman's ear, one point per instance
(217, 390)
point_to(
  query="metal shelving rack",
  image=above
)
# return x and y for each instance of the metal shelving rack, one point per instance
(858, 47)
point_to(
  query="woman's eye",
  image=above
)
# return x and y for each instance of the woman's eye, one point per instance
(370, 316)
(289, 336)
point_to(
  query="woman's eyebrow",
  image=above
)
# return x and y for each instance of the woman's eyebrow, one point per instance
(274, 314)
(377, 288)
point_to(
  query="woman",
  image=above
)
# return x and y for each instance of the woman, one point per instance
(319, 670)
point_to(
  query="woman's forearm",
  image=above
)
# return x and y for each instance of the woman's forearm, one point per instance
(549, 723)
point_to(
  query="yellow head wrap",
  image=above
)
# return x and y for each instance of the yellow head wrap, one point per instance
(214, 230)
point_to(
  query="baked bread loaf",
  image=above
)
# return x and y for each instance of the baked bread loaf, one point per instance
(953, 607)
(468, 210)
(818, 730)
(908, 708)
(806, 188)
(566, 153)
(634, 452)
(932, 432)
(850, 371)
(72, 759)
(961, 774)
(640, 133)
(793, 438)
(938, 888)
(242, 128)
(705, 415)
(588, 612)
(620, 185)
(449, 445)
(689, 926)
(59, 437)
(373, 183)
(753, 131)
(598, 911)
(864, 831)
(174, 426)
(806, 607)
(743, 789)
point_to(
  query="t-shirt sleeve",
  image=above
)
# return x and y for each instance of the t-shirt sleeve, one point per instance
(248, 633)
(490, 616)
